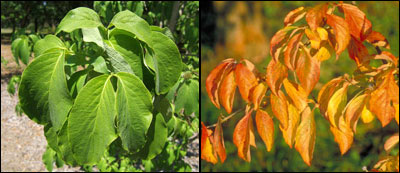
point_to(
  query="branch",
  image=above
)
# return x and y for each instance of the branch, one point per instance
(227, 118)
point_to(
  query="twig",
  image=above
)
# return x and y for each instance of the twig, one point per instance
(227, 118)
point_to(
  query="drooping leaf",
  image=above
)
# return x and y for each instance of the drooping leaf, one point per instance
(296, 93)
(360, 27)
(156, 138)
(278, 39)
(49, 42)
(341, 30)
(134, 106)
(243, 136)
(357, 51)
(294, 16)
(48, 158)
(366, 115)
(93, 35)
(276, 72)
(308, 71)
(323, 53)
(24, 50)
(322, 33)
(118, 63)
(258, 94)
(326, 93)
(213, 81)
(43, 91)
(315, 15)
(305, 136)
(377, 39)
(343, 135)
(265, 128)
(188, 97)
(245, 80)
(227, 91)
(354, 110)
(65, 146)
(393, 140)
(15, 49)
(91, 121)
(280, 108)
(336, 105)
(290, 133)
(314, 38)
(388, 164)
(207, 152)
(292, 50)
(81, 17)
(219, 145)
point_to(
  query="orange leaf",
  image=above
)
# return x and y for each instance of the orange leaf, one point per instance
(276, 72)
(219, 145)
(278, 39)
(265, 128)
(383, 95)
(396, 107)
(207, 152)
(386, 56)
(291, 51)
(314, 38)
(227, 91)
(280, 108)
(213, 81)
(377, 39)
(354, 109)
(246, 80)
(341, 30)
(308, 70)
(294, 16)
(343, 135)
(357, 51)
(290, 133)
(360, 27)
(243, 136)
(258, 94)
(326, 93)
(296, 94)
(315, 15)
(393, 140)
(305, 136)
(336, 105)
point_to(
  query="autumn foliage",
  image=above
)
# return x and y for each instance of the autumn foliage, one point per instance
(283, 93)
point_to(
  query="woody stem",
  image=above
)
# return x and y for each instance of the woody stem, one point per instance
(228, 117)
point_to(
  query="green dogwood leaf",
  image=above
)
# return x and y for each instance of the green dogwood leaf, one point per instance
(188, 97)
(91, 121)
(134, 107)
(49, 42)
(43, 91)
(77, 18)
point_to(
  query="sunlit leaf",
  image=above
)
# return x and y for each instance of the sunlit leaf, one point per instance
(276, 72)
(315, 15)
(213, 81)
(296, 93)
(243, 136)
(357, 50)
(336, 105)
(305, 136)
(258, 94)
(207, 152)
(246, 80)
(377, 39)
(393, 140)
(343, 135)
(294, 16)
(341, 30)
(314, 38)
(323, 53)
(265, 128)
(291, 51)
(354, 109)
(323, 34)
(290, 133)
(280, 108)
(227, 91)
(308, 71)
(278, 39)
(218, 144)
(326, 93)
(367, 115)
(358, 23)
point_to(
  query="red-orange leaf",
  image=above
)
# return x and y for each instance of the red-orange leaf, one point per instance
(308, 70)
(316, 15)
(276, 72)
(290, 133)
(213, 81)
(227, 91)
(291, 51)
(219, 145)
(343, 135)
(243, 136)
(258, 94)
(246, 80)
(393, 140)
(294, 16)
(383, 95)
(296, 94)
(207, 152)
(357, 51)
(305, 136)
(280, 108)
(341, 30)
(278, 39)
(377, 39)
(358, 23)
(265, 128)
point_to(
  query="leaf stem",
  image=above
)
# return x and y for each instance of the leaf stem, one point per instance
(228, 117)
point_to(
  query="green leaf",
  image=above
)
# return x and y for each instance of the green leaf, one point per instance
(59, 161)
(43, 91)
(34, 38)
(91, 121)
(93, 35)
(49, 42)
(77, 18)
(130, 49)
(134, 24)
(51, 137)
(100, 65)
(188, 97)
(15, 49)
(11, 85)
(134, 107)
(156, 138)
(118, 63)
(48, 158)
(65, 146)
(166, 31)
(24, 50)
(167, 62)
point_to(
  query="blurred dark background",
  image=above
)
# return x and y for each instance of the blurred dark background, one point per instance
(243, 30)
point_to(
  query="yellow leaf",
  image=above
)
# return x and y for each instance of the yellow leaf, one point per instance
(354, 110)
(367, 115)
(343, 135)
(296, 94)
(323, 54)
(305, 136)
(279, 108)
(336, 105)
(290, 133)
(265, 128)
(323, 34)
(314, 38)
(207, 152)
